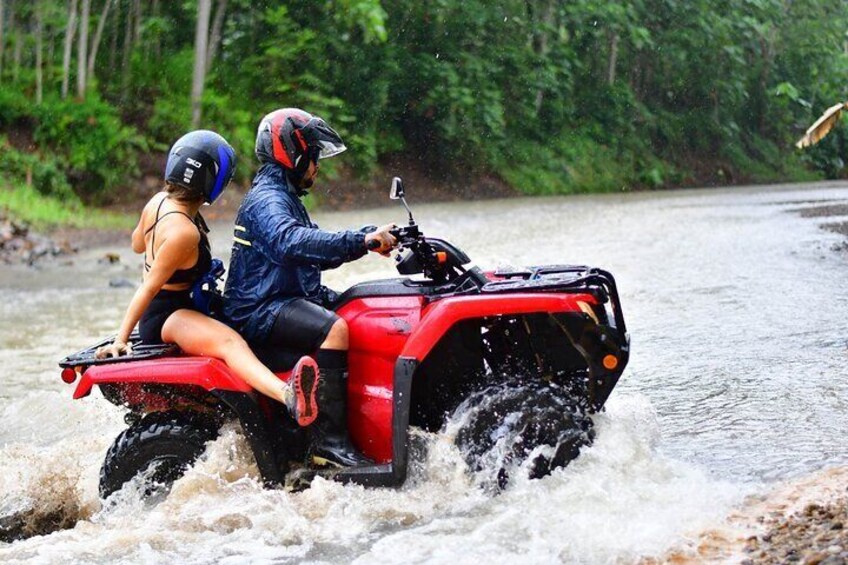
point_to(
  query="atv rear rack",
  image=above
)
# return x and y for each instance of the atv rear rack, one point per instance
(140, 352)
(560, 278)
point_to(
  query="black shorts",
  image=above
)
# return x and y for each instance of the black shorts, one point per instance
(302, 325)
(165, 303)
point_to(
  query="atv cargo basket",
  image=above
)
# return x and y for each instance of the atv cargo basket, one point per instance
(140, 352)
(561, 278)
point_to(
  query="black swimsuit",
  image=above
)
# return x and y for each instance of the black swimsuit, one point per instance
(166, 302)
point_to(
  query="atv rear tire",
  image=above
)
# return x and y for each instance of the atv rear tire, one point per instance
(502, 425)
(162, 445)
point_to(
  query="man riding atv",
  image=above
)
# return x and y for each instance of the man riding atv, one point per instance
(273, 294)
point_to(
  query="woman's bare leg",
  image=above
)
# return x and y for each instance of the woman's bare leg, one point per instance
(197, 334)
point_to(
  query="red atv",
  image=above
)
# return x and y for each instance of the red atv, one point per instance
(528, 354)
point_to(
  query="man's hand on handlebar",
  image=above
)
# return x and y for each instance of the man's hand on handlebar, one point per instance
(381, 241)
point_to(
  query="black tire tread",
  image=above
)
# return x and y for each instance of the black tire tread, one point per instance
(180, 434)
(546, 416)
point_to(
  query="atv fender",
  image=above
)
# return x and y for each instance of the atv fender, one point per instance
(438, 318)
(205, 372)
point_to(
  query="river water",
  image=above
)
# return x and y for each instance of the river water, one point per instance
(736, 308)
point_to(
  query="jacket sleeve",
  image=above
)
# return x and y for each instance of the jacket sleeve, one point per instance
(286, 238)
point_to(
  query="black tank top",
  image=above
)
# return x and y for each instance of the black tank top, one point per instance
(204, 252)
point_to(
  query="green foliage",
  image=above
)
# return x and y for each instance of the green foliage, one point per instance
(579, 164)
(223, 115)
(169, 84)
(40, 211)
(554, 96)
(98, 151)
(81, 144)
(46, 175)
(14, 105)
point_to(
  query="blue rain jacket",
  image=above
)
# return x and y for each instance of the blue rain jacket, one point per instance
(278, 254)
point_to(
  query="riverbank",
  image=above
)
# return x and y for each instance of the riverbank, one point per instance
(816, 535)
(35, 228)
(804, 521)
(20, 243)
(55, 224)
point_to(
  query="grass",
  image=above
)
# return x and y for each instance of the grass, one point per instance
(24, 203)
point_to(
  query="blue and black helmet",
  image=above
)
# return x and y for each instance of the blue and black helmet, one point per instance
(202, 161)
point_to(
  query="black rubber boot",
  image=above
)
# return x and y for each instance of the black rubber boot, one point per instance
(331, 443)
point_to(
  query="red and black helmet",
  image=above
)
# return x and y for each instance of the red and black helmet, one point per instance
(292, 138)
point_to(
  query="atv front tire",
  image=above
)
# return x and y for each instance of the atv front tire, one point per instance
(162, 446)
(503, 425)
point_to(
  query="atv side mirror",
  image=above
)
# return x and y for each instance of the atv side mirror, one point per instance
(396, 191)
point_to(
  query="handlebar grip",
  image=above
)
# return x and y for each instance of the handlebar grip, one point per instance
(373, 244)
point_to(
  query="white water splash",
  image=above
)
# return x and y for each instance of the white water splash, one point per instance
(619, 500)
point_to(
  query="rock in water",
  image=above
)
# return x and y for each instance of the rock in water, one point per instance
(121, 283)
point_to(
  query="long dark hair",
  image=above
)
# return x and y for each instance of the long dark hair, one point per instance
(183, 193)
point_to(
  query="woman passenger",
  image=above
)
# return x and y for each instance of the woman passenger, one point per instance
(172, 235)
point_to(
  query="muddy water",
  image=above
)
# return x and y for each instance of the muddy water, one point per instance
(736, 307)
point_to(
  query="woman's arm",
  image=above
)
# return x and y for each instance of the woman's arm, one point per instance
(138, 236)
(175, 250)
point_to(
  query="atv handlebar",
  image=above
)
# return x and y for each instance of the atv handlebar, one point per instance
(406, 235)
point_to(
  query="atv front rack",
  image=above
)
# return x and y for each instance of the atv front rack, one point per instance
(140, 352)
(560, 278)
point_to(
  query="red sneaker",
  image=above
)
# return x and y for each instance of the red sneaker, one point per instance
(304, 380)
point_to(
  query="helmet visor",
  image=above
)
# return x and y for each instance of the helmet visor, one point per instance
(318, 134)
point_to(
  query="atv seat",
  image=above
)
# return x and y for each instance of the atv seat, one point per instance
(277, 359)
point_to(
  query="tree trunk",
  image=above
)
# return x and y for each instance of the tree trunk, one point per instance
(113, 36)
(98, 35)
(157, 42)
(39, 78)
(128, 47)
(540, 44)
(13, 7)
(2, 38)
(50, 63)
(69, 44)
(613, 58)
(137, 21)
(215, 37)
(16, 54)
(204, 7)
(82, 48)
